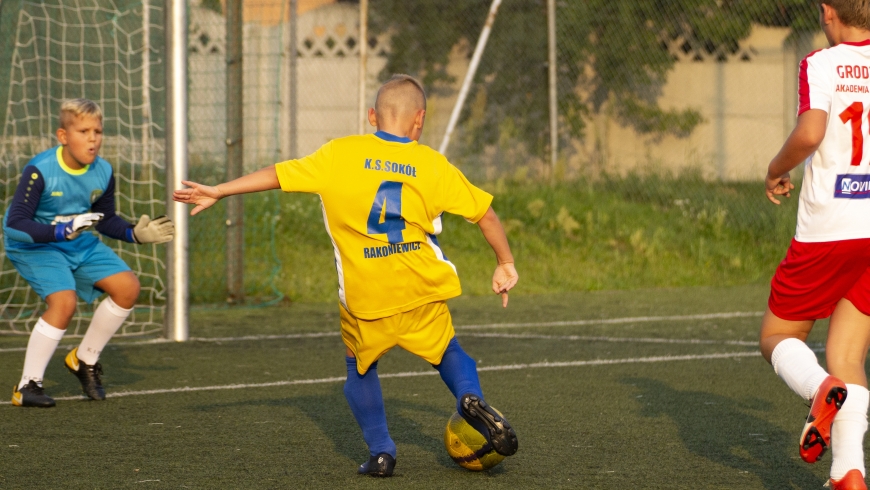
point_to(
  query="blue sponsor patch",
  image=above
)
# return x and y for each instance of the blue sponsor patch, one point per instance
(852, 186)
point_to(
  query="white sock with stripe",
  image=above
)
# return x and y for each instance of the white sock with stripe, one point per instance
(108, 318)
(847, 433)
(41, 346)
(798, 366)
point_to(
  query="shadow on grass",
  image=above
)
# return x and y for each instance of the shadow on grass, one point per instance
(119, 373)
(331, 414)
(724, 431)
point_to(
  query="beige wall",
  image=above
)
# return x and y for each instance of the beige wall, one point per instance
(327, 88)
(748, 108)
(747, 102)
(269, 12)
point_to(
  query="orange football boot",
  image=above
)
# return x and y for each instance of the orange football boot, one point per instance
(816, 436)
(853, 480)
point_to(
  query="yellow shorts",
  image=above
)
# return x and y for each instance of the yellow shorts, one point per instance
(424, 331)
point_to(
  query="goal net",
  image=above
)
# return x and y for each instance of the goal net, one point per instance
(110, 52)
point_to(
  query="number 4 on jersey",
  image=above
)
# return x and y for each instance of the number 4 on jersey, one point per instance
(386, 213)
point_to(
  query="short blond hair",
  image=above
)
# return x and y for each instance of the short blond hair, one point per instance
(73, 108)
(853, 13)
(399, 83)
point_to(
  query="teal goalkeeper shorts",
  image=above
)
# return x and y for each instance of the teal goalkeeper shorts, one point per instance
(63, 266)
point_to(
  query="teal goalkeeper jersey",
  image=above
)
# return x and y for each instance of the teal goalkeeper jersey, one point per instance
(50, 193)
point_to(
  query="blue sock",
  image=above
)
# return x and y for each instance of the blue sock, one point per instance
(366, 401)
(459, 372)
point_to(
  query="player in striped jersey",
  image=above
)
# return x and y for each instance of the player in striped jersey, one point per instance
(826, 271)
(383, 195)
(63, 192)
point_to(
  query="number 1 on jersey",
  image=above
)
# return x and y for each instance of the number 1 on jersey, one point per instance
(855, 114)
(386, 213)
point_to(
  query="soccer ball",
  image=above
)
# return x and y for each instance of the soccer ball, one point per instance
(468, 447)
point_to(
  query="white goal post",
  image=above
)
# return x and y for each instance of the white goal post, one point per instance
(176, 326)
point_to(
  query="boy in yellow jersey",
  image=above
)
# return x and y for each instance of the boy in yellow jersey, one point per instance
(383, 195)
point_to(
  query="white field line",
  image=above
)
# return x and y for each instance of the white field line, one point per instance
(591, 338)
(611, 321)
(312, 335)
(202, 339)
(602, 321)
(411, 374)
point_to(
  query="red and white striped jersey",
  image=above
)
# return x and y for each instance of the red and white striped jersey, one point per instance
(835, 195)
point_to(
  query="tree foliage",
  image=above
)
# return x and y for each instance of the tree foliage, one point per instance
(611, 54)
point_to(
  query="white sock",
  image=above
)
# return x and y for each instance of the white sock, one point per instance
(108, 318)
(41, 346)
(847, 433)
(798, 366)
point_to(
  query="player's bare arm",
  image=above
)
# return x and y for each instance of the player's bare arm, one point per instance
(204, 196)
(505, 276)
(801, 143)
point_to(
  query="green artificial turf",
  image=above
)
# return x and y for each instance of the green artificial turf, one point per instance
(705, 423)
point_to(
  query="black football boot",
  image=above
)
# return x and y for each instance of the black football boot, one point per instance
(88, 375)
(381, 465)
(31, 395)
(490, 423)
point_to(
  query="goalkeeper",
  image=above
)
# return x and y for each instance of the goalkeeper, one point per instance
(383, 195)
(62, 193)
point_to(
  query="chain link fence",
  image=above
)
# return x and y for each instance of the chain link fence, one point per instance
(675, 105)
(672, 109)
(651, 86)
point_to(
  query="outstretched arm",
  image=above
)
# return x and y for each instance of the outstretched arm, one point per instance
(204, 196)
(801, 143)
(505, 276)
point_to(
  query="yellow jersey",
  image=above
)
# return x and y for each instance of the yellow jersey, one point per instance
(382, 198)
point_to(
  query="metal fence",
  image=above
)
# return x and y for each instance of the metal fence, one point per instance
(642, 86)
(651, 86)
(645, 89)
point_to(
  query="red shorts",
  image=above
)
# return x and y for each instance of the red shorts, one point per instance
(813, 277)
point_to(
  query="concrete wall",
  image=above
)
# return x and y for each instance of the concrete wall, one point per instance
(748, 101)
(327, 87)
(747, 98)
